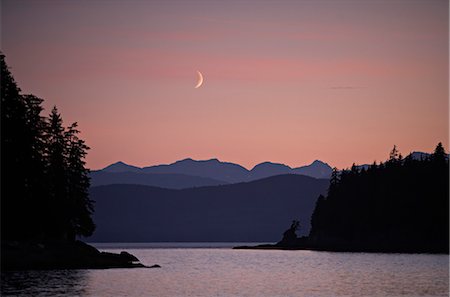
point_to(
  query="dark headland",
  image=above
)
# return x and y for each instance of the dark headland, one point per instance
(399, 206)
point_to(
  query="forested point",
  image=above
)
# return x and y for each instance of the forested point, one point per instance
(401, 205)
(44, 181)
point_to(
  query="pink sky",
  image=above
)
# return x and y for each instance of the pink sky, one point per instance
(285, 81)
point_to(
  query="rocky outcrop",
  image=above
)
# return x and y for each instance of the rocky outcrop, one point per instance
(61, 255)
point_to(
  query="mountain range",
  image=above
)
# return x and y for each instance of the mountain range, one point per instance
(205, 200)
(190, 173)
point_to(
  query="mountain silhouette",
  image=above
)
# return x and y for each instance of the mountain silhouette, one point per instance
(317, 169)
(251, 211)
(268, 169)
(215, 169)
(201, 173)
(121, 167)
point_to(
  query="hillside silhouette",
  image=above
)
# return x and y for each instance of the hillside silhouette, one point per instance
(253, 211)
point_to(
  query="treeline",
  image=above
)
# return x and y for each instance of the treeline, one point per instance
(399, 205)
(44, 181)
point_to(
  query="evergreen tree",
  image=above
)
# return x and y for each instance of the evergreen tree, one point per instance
(334, 181)
(394, 154)
(57, 173)
(439, 154)
(81, 206)
(36, 171)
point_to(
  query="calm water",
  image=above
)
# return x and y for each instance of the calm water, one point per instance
(216, 270)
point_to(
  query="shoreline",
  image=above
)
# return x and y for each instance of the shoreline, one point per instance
(342, 249)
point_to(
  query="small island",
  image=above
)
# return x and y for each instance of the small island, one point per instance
(399, 206)
(45, 203)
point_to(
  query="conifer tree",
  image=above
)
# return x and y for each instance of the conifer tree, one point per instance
(57, 173)
(439, 154)
(78, 180)
(394, 154)
(35, 137)
(334, 181)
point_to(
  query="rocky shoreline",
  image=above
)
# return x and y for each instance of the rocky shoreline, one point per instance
(62, 255)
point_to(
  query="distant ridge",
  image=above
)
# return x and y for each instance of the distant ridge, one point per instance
(188, 173)
(251, 211)
(168, 181)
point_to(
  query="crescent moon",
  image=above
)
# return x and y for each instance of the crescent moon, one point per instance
(200, 80)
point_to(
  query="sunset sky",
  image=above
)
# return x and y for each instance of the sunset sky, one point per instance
(285, 81)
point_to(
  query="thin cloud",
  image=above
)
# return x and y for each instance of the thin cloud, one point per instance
(346, 88)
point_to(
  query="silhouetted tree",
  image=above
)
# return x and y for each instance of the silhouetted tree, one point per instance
(439, 155)
(36, 139)
(71, 205)
(81, 205)
(393, 155)
(290, 235)
(57, 171)
(334, 180)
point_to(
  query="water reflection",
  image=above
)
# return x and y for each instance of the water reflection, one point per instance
(225, 272)
(44, 283)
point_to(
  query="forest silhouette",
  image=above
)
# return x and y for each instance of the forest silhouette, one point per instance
(401, 205)
(44, 181)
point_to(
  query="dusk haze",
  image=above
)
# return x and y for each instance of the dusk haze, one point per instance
(258, 148)
(339, 81)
